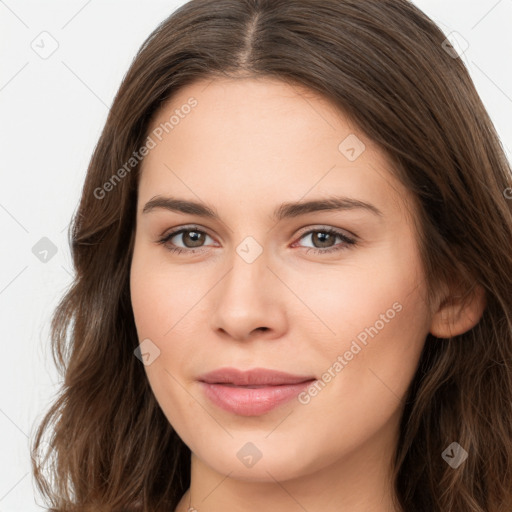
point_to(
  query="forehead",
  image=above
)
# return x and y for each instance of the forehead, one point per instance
(243, 137)
(251, 107)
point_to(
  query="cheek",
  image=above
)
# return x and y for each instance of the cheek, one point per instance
(380, 322)
(169, 303)
(160, 305)
(371, 313)
(159, 296)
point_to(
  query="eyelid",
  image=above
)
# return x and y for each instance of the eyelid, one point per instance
(321, 227)
(185, 227)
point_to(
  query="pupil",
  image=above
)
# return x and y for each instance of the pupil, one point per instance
(196, 237)
(324, 236)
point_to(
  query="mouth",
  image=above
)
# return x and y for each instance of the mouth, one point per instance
(253, 392)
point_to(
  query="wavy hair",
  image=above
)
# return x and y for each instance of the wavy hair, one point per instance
(386, 65)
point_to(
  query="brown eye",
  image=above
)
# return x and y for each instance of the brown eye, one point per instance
(324, 240)
(196, 238)
(191, 239)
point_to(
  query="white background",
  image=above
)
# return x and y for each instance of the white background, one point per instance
(52, 112)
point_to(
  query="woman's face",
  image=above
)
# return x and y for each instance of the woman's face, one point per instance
(332, 293)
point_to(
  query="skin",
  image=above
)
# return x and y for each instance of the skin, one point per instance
(248, 146)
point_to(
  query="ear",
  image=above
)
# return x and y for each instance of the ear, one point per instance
(457, 315)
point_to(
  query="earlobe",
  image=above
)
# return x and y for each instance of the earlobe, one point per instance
(456, 316)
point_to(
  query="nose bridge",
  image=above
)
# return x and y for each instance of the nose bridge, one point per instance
(245, 299)
(247, 274)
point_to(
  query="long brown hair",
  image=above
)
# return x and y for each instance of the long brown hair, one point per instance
(386, 65)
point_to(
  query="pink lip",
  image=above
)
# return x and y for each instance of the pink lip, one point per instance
(252, 392)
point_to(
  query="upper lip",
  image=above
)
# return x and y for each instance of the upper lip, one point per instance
(253, 377)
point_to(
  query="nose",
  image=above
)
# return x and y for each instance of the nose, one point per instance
(248, 301)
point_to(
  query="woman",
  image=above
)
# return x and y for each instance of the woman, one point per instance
(221, 356)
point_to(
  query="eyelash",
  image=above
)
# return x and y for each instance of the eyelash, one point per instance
(348, 242)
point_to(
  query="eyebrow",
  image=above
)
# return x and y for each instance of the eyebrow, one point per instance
(283, 211)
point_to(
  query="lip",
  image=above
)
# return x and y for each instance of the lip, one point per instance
(253, 392)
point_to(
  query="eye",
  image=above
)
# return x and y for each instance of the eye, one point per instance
(325, 237)
(192, 237)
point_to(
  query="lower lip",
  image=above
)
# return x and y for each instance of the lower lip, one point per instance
(246, 401)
